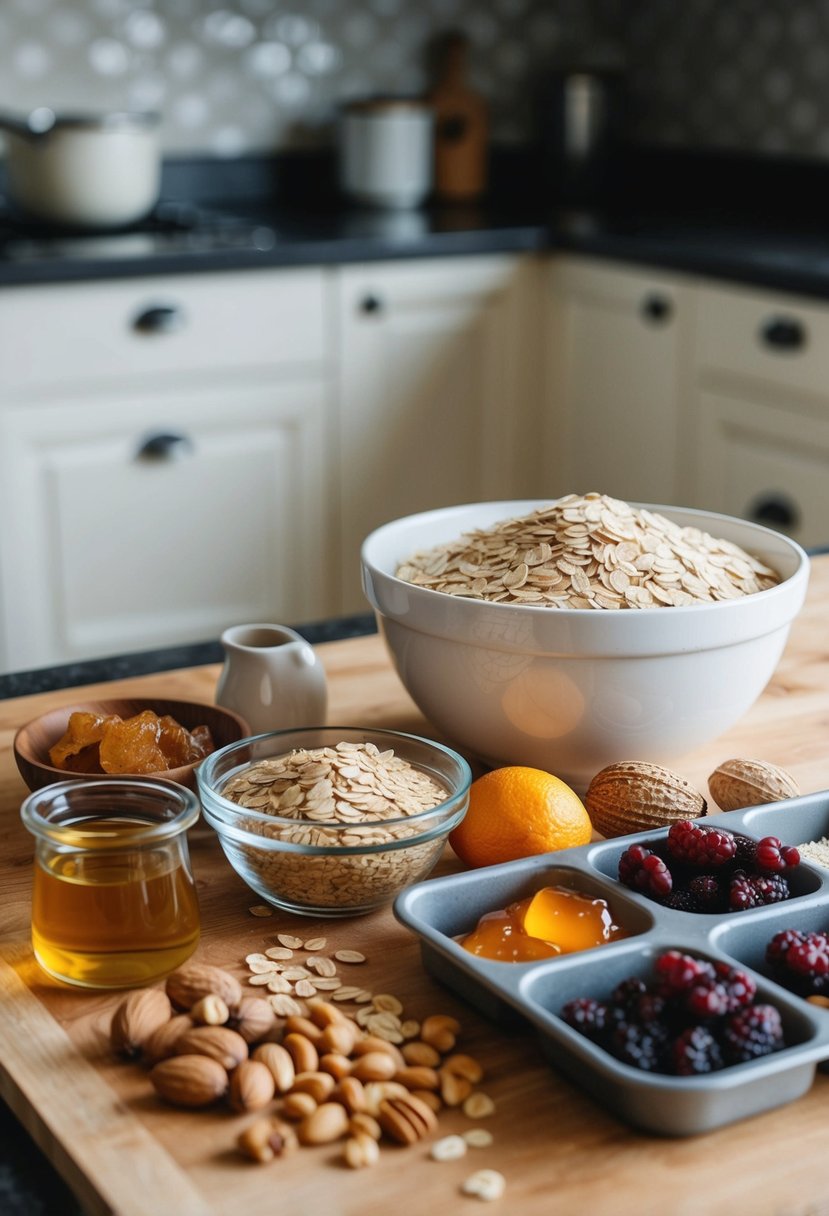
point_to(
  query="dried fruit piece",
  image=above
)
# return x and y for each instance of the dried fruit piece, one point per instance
(83, 730)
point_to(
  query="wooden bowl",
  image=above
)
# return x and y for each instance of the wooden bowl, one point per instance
(33, 741)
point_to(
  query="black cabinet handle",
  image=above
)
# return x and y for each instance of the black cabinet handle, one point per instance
(783, 334)
(371, 305)
(165, 446)
(159, 319)
(657, 309)
(775, 511)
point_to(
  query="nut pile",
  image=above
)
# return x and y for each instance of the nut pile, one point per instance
(589, 552)
(349, 796)
(315, 1077)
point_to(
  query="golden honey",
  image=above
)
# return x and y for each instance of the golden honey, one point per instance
(113, 900)
(553, 921)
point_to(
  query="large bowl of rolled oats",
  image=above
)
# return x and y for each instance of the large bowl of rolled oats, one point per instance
(333, 821)
(573, 633)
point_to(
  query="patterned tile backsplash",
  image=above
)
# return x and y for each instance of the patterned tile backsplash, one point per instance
(239, 76)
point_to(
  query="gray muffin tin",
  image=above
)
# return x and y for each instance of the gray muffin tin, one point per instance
(441, 909)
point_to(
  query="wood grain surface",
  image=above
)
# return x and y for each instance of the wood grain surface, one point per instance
(122, 1151)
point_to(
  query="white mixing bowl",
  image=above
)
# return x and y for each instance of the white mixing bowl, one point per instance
(571, 690)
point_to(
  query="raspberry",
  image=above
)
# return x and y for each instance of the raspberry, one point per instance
(707, 1000)
(642, 870)
(781, 943)
(589, 1017)
(742, 893)
(739, 987)
(700, 846)
(751, 1033)
(772, 856)
(707, 891)
(678, 973)
(695, 1052)
(642, 1046)
(809, 957)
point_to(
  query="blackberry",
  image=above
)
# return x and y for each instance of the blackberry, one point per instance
(740, 988)
(696, 845)
(772, 856)
(751, 1033)
(695, 1052)
(682, 901)
(649, 1007)
(642, 870)
(626, 993)
(809, 957)
(781, 943)
(641, 1046)
(745, 852)
(708, 892)
(677, 973)
(588, 1016)
(772, 888)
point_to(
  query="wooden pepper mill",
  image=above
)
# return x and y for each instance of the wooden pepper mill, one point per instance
(461, 127)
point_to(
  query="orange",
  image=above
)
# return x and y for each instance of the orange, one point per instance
(517, 812)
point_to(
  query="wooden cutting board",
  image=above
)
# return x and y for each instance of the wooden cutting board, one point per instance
(122, 1151)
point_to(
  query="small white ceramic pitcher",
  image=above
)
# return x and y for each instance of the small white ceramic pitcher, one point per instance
(272, 677)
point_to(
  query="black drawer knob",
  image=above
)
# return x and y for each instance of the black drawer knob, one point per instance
(657, 309)
(167, 445)
(371, 305)
(775, 511)
(783, 334)
(159, 319)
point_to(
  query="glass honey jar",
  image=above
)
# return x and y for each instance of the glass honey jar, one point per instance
(114, 903)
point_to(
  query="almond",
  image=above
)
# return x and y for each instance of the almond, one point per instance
(162, 1042)
(634, 796)
(267, 1138)
(251, 1086)
(189, 1080)
(735, 784)
(189, 984)
(217, 1042)
(278, 1060)
(137, 1017)
(326, 1124)
(253, 1019)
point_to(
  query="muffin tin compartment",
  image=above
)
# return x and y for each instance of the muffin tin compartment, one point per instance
(442, 908)
(805, 879)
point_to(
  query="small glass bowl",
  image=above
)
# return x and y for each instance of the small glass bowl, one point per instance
(360, 866)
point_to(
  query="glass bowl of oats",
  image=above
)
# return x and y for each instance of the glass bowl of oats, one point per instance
(333, 821)
(573, 633)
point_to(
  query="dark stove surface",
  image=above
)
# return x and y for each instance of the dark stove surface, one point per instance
(172, 228)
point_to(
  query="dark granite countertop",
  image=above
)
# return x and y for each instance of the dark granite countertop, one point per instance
(750, 220)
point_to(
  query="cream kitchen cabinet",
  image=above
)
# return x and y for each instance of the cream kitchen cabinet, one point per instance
(759, 410)
(438, 383)
(616, 362)
(165, 461)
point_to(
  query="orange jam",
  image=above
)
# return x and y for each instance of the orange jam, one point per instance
(553, 921)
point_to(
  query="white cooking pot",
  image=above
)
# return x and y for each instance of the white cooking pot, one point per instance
(89, 171)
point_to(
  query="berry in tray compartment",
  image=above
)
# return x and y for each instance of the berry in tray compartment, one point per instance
(800, 961)
(698, 868)
(691, 1018)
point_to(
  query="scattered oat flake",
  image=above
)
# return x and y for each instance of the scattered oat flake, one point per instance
(349, 956)
(262, 968)
(385, 1002)
(326, 983)
(260, 910)
(280, 952)
(478, 1137)
(316, 943)
(478, 1106)
(250, 959)
(410, 1029)
(305, 988)
(289, 941)
(260, 980)
(485, 1184)
(278, 983)
(449, 1148)
(285, 1005)
(345, 993)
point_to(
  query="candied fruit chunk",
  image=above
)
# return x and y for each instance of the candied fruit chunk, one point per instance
(83, 729)
(180, 746)
(569, 919)
(203, 741)
(131, 746)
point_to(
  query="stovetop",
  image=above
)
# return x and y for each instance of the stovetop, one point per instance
(172, 228)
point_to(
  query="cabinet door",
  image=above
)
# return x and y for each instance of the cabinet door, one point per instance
(433, 400)
(614, 375)
(131, 522)
(763, 463)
